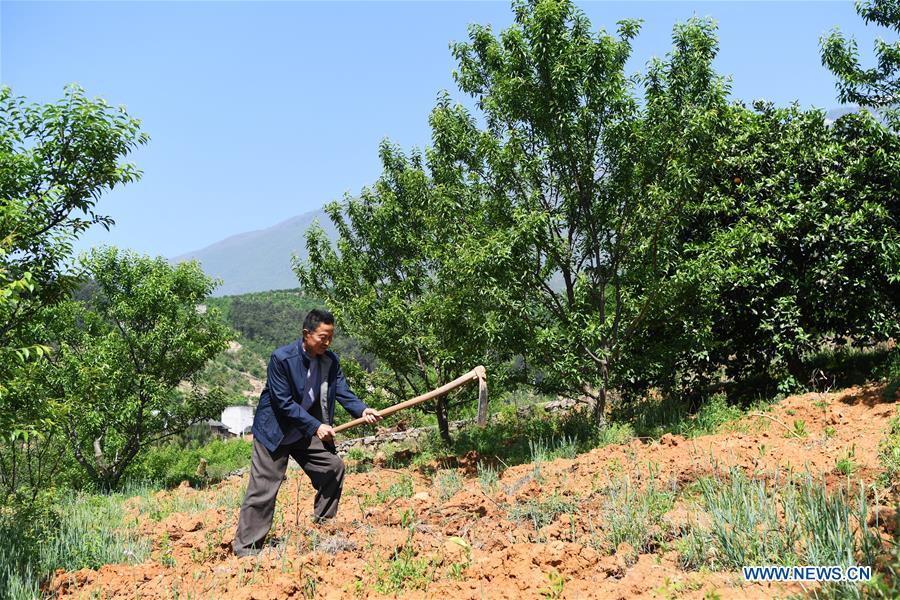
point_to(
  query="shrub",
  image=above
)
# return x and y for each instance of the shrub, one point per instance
(171, 464)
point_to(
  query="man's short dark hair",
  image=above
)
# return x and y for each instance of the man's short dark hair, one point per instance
(316, 317)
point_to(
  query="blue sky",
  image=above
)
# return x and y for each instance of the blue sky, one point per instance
(258, 111)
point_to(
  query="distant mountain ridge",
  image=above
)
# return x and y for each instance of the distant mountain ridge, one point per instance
(258, 261)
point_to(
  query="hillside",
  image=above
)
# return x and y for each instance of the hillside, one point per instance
(258, 260)
(666, 518)
(263, 321)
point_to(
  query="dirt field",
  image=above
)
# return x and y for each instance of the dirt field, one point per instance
(541, 531)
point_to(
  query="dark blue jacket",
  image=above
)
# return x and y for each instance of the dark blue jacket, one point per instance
(279, 407)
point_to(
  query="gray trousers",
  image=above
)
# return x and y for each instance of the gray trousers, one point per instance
(321, 464)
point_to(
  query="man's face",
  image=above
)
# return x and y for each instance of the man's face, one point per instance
(317, 342)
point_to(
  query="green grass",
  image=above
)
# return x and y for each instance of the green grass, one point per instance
(889, 453)
(634, 515)
(173, 463)
(755, 522)
(447, 484)
(542, 511)
(488, 478)
(655, 417)
(399, 489)
(88, 531)
(405, 569)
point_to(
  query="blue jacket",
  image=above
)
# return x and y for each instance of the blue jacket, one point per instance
(279, 407)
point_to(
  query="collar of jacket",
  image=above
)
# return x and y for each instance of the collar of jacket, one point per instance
(306, 356)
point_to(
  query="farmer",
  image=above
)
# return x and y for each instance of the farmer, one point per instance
(294, 416)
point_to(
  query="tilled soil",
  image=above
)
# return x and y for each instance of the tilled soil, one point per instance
(476, 543)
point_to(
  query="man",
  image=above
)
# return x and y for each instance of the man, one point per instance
(294, 416)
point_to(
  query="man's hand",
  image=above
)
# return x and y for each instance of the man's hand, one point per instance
(325, 433)
(371, 416)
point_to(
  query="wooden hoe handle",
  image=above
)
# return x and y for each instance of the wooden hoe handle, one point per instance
(477, 374)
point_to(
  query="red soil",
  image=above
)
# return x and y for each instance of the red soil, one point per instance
(471, 545)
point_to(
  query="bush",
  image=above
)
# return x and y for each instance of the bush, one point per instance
(171, 464)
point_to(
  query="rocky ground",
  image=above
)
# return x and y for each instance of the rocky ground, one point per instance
(539, 530)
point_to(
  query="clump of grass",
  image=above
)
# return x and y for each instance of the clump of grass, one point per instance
(889, 453)
(540, 454)
(541, 512)
(746, 529)
(799, 429)
(671, 414)
(845, 464)
(357, 453)
(509, 436)
(488, 478)
(755, 523)
(448, 483)
(405, 570)
(399, 489)
(615, 433)
(361, 460)
(93, 532)
(565, 447)
(634, 515)
(88, 531)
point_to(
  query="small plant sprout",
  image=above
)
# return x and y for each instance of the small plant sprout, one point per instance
(800, 428)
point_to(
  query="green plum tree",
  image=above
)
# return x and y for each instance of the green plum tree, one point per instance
(877, 87)
(121, 378)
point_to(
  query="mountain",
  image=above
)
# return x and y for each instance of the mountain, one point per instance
(259, 260)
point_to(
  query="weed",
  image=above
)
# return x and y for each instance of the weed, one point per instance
(165, 551)
(889, 452)
(456, 569)
(310, 587)
(566, 447)
(673, 588)
(784, 524)
(653, 418)
(448, 483)
(93, 532)
(405, 570)
(800, 428)
(539, 455)
(360, 460)
(845, 464)
(633, 515)
(615, 433)
(357, 453)
(542, 512)
(556, 582)
(487, 478)
(399, 489)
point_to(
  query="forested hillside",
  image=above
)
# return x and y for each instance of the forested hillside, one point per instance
(264, 321)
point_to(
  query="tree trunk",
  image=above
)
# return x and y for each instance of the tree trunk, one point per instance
(441, 410)
(600, 399)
